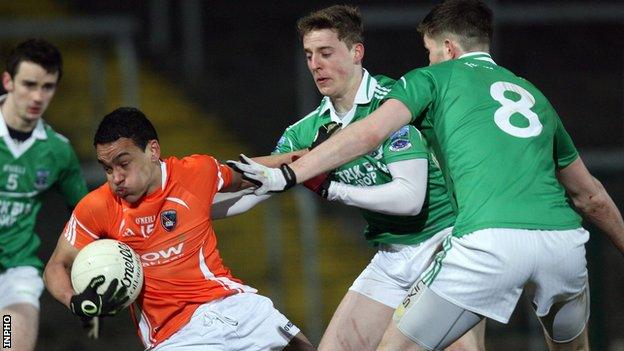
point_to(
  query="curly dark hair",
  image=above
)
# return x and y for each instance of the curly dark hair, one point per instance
(125, 122)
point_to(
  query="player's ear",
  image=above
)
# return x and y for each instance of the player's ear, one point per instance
(154, 148)
(7, 81)
(452, 50)
(358, 53)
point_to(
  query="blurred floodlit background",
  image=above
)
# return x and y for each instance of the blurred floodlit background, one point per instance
(224, 77)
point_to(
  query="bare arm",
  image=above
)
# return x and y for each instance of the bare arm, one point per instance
(355, 140)
(592, 201)
(58, 269)
(279, 159)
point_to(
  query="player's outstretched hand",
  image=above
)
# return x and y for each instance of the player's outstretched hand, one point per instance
(91, 304)
(268, 180)
(319, 184)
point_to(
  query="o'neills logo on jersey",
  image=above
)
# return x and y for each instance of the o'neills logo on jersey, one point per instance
(169, 219)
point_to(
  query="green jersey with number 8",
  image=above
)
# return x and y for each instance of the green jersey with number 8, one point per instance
(498, 141)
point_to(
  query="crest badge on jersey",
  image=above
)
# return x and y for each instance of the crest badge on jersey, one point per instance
(169, 219)
(400, 145)
(41, 179)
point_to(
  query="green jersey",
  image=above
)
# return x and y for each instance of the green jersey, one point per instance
(437, 212)
(29, 168)
(498, 140)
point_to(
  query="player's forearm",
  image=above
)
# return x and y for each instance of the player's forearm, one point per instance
(57, 280)
(352, 142)
(279, 159)
(600, 210)
(355, 140)
(232, 204)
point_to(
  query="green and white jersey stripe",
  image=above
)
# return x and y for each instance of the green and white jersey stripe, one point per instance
(371, 169)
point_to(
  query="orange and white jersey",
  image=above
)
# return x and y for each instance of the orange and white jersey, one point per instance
(171, 230)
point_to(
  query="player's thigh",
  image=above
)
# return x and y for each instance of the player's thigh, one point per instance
(394, 269)
(238, 322)
(473, 340)
(357, 324)
(23, 320)
(483, 272)
(561, 297)
(20, 285)
(429, 320)
(20, 290)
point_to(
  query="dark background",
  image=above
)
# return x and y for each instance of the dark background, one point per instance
(247, 84)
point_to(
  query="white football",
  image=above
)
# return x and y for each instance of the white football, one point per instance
(112, 259)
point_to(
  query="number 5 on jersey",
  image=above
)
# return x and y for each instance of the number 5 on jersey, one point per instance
(502, 116)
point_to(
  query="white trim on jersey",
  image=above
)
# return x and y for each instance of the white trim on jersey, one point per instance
(87, 230)
(486, 56)
(163, 178)
(145, 328)
(178, 201)
(19, 195)
(223, 281)
(70, 231)
(18, 149)
(219, 176)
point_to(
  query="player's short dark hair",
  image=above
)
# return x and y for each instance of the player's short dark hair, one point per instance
(125, 122)
(38, 51)
(345, 20)
(469, 20)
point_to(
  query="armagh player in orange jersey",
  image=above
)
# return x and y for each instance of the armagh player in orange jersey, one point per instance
(161, 208)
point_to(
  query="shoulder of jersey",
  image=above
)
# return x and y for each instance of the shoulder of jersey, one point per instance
(385, 81)
(54, 135)
(309, 117)
(101, 197)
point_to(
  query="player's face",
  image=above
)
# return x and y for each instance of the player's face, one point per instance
(333, 65)
(30, 90)
(438, 52)
(131, 172)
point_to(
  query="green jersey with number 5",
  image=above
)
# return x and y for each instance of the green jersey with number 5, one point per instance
(498, 140)
(29, 168)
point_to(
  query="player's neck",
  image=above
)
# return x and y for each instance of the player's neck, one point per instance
(12, 119)
(157, 182)
(344, 103)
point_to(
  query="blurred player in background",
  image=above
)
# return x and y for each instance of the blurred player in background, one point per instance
(33, 158)
(398, 186)
(161, 208)
(509, 162)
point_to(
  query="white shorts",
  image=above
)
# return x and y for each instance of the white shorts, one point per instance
(244, 321)
(486, 271)
(394, 269)
(20, 285)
